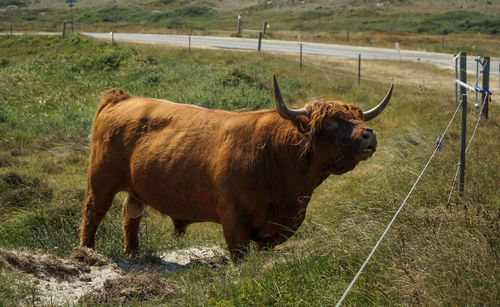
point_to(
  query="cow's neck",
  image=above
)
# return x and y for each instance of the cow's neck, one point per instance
(301, 173)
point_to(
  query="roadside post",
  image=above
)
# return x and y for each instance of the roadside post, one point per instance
(264, 27)
(10, 30)
(260, 41)
(112, 38)
(71, 3)
(239, 24)
(398, 50)
(63, 29)
(190, 33)
(300, 51)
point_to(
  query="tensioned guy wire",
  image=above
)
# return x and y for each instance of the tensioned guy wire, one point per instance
(397, 212)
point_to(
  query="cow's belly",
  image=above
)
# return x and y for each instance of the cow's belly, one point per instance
(180, 187)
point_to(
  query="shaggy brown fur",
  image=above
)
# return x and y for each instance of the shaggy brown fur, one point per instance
(252, 172)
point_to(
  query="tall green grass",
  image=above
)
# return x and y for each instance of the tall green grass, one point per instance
(49, 90)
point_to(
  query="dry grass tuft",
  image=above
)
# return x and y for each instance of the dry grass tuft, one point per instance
(137, 286)
(88, 257)
(41, 266)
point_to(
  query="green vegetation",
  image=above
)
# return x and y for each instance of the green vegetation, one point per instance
(421, 24)
(205, 18)
(49, 90)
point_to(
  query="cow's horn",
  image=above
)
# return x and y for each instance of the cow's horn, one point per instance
(285, 112)
(369, 115)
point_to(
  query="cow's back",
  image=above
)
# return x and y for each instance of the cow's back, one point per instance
(179, 159)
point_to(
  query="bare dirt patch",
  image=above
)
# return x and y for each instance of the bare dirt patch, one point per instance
(175, 261)
(88, 277)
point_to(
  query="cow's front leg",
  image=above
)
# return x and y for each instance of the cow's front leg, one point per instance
(266, 244)
(236, 228)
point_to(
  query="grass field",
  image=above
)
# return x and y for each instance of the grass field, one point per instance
(443, 26)
(49, 90)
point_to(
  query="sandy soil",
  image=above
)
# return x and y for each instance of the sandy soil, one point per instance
(87, 276)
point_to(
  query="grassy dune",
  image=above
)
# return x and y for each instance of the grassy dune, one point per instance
(50, 87)
(443, 26)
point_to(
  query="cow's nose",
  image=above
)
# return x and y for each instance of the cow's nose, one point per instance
(367, 134)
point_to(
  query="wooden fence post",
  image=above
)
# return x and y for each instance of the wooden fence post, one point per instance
(300, 55)
(260, 41)
(359, 69)
(72, 23)
(486, 85)
(463, 96)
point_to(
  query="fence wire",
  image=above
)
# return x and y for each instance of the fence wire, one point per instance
(454, 181)
(399, 210)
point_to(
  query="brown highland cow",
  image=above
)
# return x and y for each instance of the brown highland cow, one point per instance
(253, 172)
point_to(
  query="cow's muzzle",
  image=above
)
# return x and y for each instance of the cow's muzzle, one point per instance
(368, 144)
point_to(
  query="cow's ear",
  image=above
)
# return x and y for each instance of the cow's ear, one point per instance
(303, 124)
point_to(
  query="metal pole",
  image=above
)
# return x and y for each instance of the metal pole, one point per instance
(456, 77)
(463, 95)
(64, 30)
(72, 24)
(300, 55)
(260, 41)
(359, 68)
(264, 27)
(486, 85)
(478, 60)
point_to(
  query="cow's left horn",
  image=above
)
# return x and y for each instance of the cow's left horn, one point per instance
(369, 115)
(283, 110)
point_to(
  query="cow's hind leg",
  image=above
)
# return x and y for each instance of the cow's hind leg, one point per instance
(180, 226)
(132, 211)
(96, 205)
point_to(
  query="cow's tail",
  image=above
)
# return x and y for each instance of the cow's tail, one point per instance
(111, 97)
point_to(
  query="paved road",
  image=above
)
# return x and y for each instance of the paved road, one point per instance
(293, 47)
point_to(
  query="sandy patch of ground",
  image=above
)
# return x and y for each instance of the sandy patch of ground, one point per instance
(87, 276)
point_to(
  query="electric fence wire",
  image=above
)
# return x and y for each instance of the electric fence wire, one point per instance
(399, 210)
(454, 181)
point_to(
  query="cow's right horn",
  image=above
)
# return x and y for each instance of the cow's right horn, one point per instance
(371, 114)
(283, 110)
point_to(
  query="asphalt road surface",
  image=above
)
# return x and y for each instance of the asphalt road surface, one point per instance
(441, 59)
